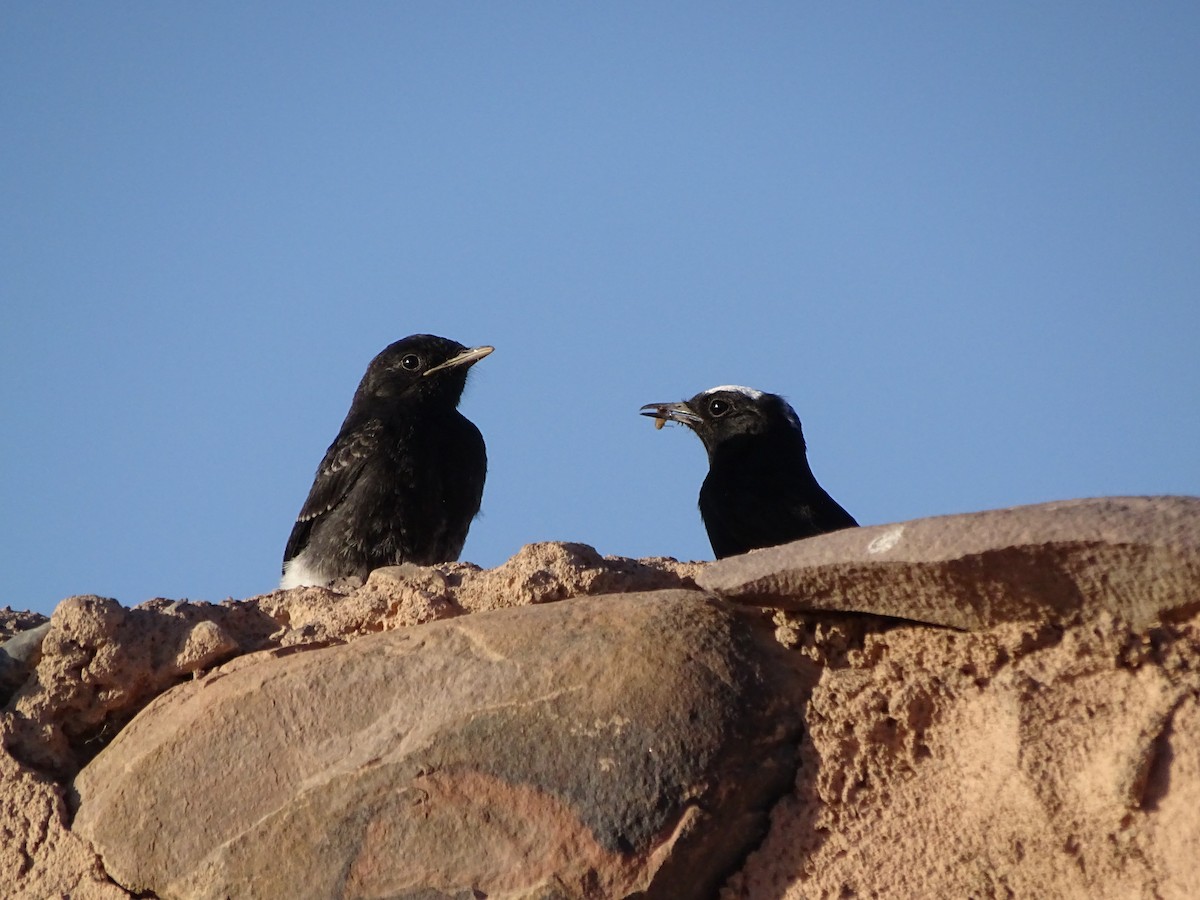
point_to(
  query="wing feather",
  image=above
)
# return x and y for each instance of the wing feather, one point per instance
(339, 470)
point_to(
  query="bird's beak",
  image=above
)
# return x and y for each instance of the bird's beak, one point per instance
(675, 412)
(466, 358)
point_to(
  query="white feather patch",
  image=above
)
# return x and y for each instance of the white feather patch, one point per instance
(737, 389)
(298, 573)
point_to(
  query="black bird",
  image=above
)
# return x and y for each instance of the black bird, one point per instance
(759, 490)
(404, 477)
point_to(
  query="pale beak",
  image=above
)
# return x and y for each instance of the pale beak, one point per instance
(466, 358)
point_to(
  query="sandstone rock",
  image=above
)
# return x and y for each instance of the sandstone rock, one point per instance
(543, 573)
(14, 621)
(21, 635)
(101, 663)
(1054, 750)
(594, 748)
(19, 655)
(395, 597)
(39, 856)
(1023, 761)
(402, 596)
(1136, 557)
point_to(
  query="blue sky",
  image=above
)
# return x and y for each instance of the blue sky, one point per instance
(962, 239)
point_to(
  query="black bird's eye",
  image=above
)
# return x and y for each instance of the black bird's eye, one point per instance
(718, 407)
(412, 362)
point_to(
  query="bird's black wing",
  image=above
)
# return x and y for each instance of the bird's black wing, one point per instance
(339, 470)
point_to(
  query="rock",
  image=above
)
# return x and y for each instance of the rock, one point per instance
(593, 748)
(14, 621)
(407, 595)
(40, 856)
(1136, 557)
(18, 657)
(1051, 750)
(101, 663)
(545, 572)
(21, 635)
(1023, 761)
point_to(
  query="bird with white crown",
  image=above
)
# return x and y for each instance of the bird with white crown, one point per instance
(760, 490)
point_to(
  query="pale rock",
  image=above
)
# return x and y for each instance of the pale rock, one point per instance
(101, 663)
(604, 746)
(1137, 557)
(1046, 743)
(1024, 761)
(40, 856)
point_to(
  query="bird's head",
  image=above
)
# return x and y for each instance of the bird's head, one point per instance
(729, 411)
(421, 368)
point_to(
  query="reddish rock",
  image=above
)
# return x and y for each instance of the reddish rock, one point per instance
(1136, 557)
(597, 747)
(14, 621)
(40, 856)
(402, 596)
(1023, 761)
(1051, 750)
(101, 663)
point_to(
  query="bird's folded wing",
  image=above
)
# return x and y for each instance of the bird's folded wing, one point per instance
(339, 470)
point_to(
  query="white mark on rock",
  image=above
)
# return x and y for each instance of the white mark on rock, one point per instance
(886, 541)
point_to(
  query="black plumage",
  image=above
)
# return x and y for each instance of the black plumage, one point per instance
(404, 477)
(759, 490)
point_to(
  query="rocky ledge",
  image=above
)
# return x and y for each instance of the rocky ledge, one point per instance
(997, 704)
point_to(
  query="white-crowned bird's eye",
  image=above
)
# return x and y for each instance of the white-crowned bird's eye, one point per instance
(718, 407)
(412, 362)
